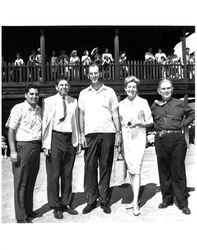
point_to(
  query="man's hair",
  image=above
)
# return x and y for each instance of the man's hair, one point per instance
(94, 65)
(31, 86)
(62, 77)
(163, 80)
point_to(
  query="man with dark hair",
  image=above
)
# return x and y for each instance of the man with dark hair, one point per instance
(24, 136)
(99, 123)
(170, 117)
(59, 142)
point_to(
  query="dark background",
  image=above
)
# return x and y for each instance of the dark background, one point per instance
(135, 40)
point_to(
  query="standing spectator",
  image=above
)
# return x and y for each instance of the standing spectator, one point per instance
(123, 67)
(95, 56)
(60, 139)
(135, 116)
(99, 121)
(188, 55)
(38, 61)
(172, 68)
(54, 64)
(159, 55)
(170, 116)
(85, 60)
(31, 64)
(74, 63)
(4, 147)
(149, 57)
(107, 59)
(18, 63)
(64, 63)
(24, 137)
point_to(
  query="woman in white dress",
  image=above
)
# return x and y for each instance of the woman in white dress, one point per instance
(135, 116)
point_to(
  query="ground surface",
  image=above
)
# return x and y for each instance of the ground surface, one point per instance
(121, 194)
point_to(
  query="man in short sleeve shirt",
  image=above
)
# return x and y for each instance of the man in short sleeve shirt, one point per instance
(24, 136)
(99, 122)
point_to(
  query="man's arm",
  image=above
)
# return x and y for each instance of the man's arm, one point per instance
(12, 140)
(82, 128)
(116, 120)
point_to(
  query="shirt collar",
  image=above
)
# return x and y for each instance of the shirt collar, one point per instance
(60, 97)
(103, 87)
(29, 107)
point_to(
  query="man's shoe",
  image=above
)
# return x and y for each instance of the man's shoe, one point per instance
(58, 213)
(88, 208)
(106, 208)
(165, 205)
(34, 215)
(69, 210)
(27, 220)
(186, 210)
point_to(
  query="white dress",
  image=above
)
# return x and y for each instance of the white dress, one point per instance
(134, 139)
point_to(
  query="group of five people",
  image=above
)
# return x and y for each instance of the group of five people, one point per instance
(95, 123)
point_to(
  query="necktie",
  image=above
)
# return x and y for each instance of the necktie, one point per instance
(64, 110)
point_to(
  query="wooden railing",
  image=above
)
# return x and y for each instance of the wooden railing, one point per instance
(140, 69)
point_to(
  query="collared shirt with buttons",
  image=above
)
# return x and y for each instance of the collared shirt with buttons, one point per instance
(171, 115)
(26, 121)
(98, 107)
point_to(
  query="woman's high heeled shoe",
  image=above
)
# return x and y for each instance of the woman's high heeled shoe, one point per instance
(136, 211)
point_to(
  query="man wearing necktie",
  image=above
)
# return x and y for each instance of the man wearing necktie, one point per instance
(59, 142)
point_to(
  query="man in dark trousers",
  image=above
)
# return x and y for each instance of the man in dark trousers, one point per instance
(59, 142)
(24, 136)
(99, 123)
(170, 117)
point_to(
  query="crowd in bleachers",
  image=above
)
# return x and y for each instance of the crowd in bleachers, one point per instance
(73, 65)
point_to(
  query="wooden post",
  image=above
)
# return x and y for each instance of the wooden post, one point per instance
(42, 48)
(116, 53)
(184, 57)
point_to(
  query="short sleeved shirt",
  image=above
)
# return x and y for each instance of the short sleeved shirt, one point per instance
(98, 107)
(26, 121)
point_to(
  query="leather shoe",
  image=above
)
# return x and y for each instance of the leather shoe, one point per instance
(106, 209)
(58, 213)
(34, 215)
(88, 208)
(186, 210)
(165, 205)
(69, 210)
(27, 220)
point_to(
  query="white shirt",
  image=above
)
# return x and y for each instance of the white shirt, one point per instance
(66, 125)
(26, 121)
(158, 57)
(98, 107)
(134, 111)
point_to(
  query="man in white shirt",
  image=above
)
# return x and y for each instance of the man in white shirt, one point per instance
(59, 142)
(159, 56)
(99, 122)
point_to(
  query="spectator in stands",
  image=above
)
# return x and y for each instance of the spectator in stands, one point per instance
(123, 67)
(31, 63)
(18, 63)
(159, 55)
(64, 63)
(3, 65)
(95, 56)
(107, 59)
(85, 60)
(74, 63)
(54, 64)
(38, 61)
(135, 116)
(188, 55)
(149, 57)
(172, 70)
(33, 55)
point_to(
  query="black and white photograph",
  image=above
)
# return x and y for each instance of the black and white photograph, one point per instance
(98, 128)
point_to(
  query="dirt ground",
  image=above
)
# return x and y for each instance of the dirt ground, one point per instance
(121, 194)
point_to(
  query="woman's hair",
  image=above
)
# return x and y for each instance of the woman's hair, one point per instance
(131, 79)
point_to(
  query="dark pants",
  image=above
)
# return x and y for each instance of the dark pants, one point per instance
(171, 152)
(25, 173)
(59, 168)
(99, 151)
